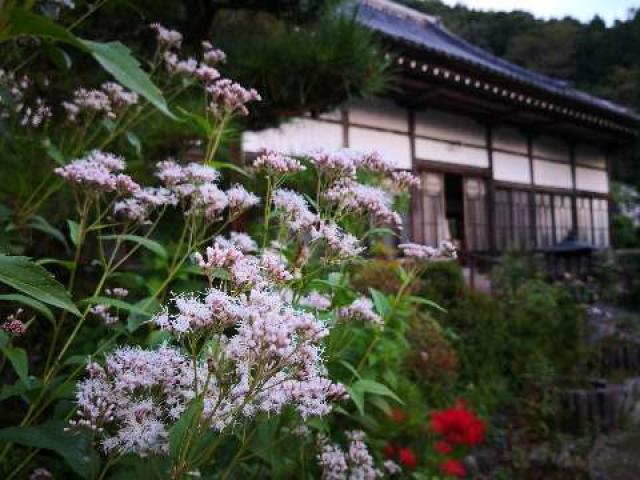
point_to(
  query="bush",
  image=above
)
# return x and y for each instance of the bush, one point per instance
(443, 282)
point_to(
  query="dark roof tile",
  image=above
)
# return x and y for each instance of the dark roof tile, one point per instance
(426, 32)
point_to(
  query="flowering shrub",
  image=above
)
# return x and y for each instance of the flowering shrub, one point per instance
(456, 429)
(229, 333)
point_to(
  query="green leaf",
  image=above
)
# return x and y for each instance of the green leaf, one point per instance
(381, 404)
(357, 396)
(230, 166)
(134, 141)
(75, 449)
(108, 124)
(68, 264)
(376, 388)
(18, 389)
(54, 153)
(19, 361)
(114, 302)
(22, 22)
(114, 57)
(30, 302)
(74, 231)
(135, 320)
(203, 125)
(380, 231)
(381, 302)
(350, 367)
(39, 223)
(147, 243)
(183, 427)
(429, 303)
(58, 56)
(29, 278)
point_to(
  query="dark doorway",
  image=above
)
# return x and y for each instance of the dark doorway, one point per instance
(454, 206)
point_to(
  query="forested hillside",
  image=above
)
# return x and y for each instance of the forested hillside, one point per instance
(601, 59)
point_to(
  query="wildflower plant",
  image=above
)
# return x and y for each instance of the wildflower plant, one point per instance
(241, 332)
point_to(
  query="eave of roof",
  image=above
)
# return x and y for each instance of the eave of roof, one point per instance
(425, 32)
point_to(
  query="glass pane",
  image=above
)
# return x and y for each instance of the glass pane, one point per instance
(544, 220)
(563, 216)
(475, 213)
(585, 224)
(433, 222)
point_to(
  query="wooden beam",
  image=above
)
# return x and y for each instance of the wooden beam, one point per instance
(574, 201)
(491, 217)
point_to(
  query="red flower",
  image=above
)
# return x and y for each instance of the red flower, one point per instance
(398, 416)
(407, 458)
(453, 468)
(389, 450)
(443, 447)
(458, 425)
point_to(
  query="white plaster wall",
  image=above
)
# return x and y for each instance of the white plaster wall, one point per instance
(552, 174)
(297, 136)
(553, 148)
(381, 114)
(447, 126)
(509, 167)
(394, 147)
(590, 156)
(446, 152)
(510, 139)
(592, 180)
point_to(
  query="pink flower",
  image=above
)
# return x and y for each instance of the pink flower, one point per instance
(165, 37)
(361, 309)
(13, 325)
(275, 163)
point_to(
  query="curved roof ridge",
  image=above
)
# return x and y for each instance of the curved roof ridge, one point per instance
(425, 31)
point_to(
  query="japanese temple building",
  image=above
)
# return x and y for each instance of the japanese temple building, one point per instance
(509, 158)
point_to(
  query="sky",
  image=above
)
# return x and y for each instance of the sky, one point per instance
(584, 10)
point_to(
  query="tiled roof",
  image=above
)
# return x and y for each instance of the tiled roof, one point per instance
(426, 32)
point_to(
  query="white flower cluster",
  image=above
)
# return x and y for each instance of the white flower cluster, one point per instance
(299, 219)
(196, 186)
(239, 240)
(129, 402)
(30, 112)
(276, 163)
(361, 309)
(225, 96)
(401, 181)
(339, 164)
(110, 100)
(166, 38)
(142, 203)
(354, 464)
(447, 250)
(359, 198)
(229, 97)
(244, 271)
(97, 172)
(264, 355)
(316, 300)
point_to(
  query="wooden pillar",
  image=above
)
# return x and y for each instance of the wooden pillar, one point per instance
(609, 165)
(345, 127)
(574, 201)
(416, 194)
(491, 217)
(532, 194)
